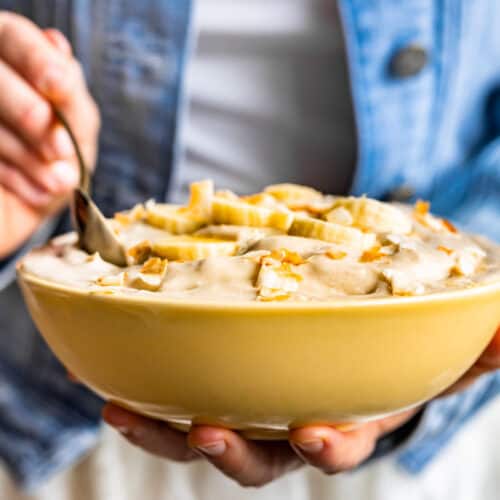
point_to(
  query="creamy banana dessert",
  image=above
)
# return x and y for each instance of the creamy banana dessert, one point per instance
(289, 242)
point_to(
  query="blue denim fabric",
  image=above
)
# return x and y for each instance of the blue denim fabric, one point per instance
(436, 131)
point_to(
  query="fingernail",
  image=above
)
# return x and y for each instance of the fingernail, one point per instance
(62, 143)
(312, 447)
(60, 41)
(123, 430)
(65, 174)
(212, 449)
(52, 79)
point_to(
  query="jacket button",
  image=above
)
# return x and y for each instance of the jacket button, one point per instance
(408, 61)
(400, 194)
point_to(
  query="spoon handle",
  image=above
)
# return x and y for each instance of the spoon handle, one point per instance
(84, 172)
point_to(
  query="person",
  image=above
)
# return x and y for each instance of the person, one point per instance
(395, 101)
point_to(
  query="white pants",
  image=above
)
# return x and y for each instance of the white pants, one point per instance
(467, 469)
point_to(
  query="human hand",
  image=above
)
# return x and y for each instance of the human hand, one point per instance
(252, 463)
(38, 167)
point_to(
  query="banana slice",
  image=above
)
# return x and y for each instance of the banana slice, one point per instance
(331, 232)
(127, 217)
(201, 196)
(291, 193)
(239, 213)
(193, 248)
(339, 215)
(237, 233)
(226, 194)
(372, 215)
(262, 200)
(174, 218)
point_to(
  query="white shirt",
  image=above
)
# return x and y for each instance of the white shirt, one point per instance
(467, 469)
(269, 98)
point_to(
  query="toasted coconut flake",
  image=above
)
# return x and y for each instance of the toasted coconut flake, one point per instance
(284, 255)
(372, 254)
(335, 254)
(141, 252)
(150, 277)
(271, 295)
(154, 265)
(444, 249)
(448, 225)
(422, 207)
(113, 280)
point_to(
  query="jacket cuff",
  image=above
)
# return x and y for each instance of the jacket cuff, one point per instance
(395, 439)
(442, 419)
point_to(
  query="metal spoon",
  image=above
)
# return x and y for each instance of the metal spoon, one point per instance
(94, 231)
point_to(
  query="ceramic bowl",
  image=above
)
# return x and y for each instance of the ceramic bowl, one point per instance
(263, 368)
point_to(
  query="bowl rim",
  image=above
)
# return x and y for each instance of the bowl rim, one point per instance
(255, 306)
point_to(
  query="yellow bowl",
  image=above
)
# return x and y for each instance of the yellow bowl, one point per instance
(263, 368)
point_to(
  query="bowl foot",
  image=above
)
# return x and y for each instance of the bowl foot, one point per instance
(261, 434)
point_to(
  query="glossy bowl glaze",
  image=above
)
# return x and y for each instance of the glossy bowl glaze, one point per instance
(263, 368)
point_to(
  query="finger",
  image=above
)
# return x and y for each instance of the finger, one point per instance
(247, 462)
(331, 450)
(59, 78)
(21, 108)
(25, 48)
(30, 116)
(59, 41)
(18, 184)
(334, 451)
(152, 435)
(487, 362)
(57, 177)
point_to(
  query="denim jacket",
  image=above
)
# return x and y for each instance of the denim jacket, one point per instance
(429, 125)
